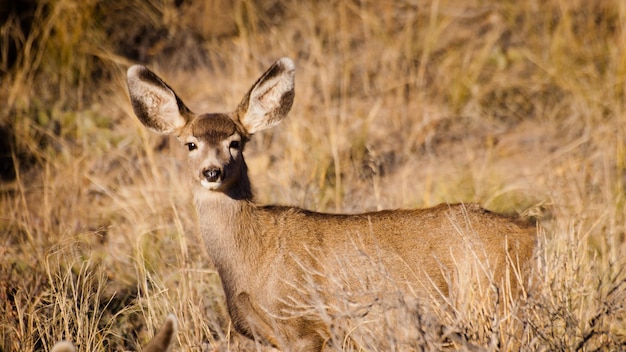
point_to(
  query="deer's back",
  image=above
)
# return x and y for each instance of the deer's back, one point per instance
(422, 248)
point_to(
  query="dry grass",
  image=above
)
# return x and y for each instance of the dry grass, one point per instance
(518, 105)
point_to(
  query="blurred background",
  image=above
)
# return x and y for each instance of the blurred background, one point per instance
(516, 105)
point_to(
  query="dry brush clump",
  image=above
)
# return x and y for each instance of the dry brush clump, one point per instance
(517, 105)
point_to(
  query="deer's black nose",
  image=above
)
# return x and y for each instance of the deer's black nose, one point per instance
(212, 174)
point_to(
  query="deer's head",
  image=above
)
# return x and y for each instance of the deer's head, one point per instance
(214, 141)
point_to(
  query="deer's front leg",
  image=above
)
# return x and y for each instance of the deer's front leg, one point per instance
(248, 321)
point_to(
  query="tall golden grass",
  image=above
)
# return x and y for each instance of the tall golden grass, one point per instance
(517, 105)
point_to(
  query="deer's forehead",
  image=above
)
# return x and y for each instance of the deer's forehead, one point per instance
(213, 127)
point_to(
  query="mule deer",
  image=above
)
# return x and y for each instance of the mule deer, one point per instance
(268, 256)
(160, 343)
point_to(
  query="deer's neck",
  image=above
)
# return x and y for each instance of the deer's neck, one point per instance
(227, 224)
(241, 190)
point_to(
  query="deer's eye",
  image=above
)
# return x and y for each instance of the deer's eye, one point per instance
(234, 145)
(191, 146)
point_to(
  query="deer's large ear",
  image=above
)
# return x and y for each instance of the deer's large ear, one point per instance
(163, 339)
(63, 346)
(154, 102)
(270, 98)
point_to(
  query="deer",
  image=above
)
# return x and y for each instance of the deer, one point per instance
(160, 342)
(268, 256)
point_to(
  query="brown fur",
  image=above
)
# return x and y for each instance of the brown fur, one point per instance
(276, 261)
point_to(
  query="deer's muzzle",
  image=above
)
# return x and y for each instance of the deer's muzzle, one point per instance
(212, 174)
